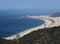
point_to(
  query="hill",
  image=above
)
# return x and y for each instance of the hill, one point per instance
(41, 36)
(56, 14)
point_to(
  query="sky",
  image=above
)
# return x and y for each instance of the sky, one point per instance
(31, 4)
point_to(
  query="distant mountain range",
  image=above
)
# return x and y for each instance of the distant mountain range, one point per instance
(56, 14)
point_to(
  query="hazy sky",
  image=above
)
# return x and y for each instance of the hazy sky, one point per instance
(38, 4)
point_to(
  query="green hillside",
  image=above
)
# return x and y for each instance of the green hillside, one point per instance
(41, 36)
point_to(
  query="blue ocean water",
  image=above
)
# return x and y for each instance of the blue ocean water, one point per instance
(10, 25)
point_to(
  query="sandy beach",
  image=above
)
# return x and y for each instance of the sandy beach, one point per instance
(49, 22)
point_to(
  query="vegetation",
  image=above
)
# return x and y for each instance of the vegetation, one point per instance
(41, 36)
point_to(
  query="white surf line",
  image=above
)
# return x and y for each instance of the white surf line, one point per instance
(21, 34)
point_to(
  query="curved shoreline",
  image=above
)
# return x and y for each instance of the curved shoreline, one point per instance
(48, 23)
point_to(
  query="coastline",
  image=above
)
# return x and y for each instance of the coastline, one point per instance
(48, 23)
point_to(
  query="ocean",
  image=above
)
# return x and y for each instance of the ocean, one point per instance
(10, 25)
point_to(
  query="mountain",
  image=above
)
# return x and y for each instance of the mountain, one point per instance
(56, 14)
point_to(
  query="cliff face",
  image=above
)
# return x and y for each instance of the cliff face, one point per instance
(56, 14)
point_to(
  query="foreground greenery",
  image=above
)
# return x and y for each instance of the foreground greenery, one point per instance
(41, 36)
